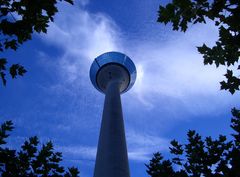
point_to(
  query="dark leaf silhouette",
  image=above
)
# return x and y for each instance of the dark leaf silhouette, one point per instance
(201, 157)
(225, 14)
(17, 69)
(31, 160)
(32, 17)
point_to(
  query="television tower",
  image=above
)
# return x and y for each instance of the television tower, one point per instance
(112, 73)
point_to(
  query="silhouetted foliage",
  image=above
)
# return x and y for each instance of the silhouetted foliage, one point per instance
(19, 19)
(31, 160)
(208, 157)
(226, 15)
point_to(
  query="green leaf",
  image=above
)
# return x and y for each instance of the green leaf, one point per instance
(32, 17)
(4, 81)
(11, 44)
(3, 62)
(69, 1)
(225, 15)
(17, 69)
(5, 127)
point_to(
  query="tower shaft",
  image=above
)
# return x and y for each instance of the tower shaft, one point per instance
(112, 158)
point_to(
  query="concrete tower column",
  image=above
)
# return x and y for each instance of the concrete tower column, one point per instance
(112, 158)
(112, 74)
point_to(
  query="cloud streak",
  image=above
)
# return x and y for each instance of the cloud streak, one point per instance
(140, 148)
(173, 71)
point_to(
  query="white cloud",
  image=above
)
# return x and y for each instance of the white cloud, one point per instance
(81, 152)
(140, 147)
(83, 2)
(173, 70)
(82, 36)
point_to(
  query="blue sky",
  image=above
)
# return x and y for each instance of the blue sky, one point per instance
(173, 92)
